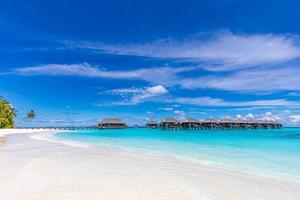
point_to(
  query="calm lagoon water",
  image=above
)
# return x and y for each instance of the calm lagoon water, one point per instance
(272, 152)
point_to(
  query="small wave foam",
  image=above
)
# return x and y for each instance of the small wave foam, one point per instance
(52, 139)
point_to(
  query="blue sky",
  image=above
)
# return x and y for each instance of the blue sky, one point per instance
(76, 62)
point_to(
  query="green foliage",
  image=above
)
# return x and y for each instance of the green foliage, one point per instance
(30, 115)
(7, 114)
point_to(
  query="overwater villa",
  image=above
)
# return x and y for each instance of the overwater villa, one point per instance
(267, 124)
(210, 124)
(229, 124)
(242, 124)
(111, 123)
(152, 124)
(170, 123)
(190, 123)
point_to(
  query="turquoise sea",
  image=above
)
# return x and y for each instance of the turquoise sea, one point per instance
(270, 152)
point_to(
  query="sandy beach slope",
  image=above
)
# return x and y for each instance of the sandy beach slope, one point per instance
(36, 170)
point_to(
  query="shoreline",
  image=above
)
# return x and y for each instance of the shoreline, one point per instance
(89, 173)
(14, 131)
(203, 163)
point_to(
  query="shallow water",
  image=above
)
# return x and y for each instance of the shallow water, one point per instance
(272, 152)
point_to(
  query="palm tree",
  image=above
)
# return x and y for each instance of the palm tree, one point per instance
(7, 114)
(29, 115)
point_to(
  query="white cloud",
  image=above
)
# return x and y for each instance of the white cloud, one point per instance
(167, 109)
(73, 69)
(249, 80)
(180, 114)
(253, 108)
(150, 115)
(178, 111)
(134, 96)
(276, 79)
(175, 106)
(122, 91)
(221, 51)
(208, 101)
(255, 80)
(249, 116)
(156, 75)
(63, 121)
(294, 119)
(149, 93)
(268, 116)
(156, 90)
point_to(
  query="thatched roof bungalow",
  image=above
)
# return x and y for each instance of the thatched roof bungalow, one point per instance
(228, 123)
(210, 123)
(170, 123)
(112, 123)
(241, 123)
(190, 123)
(276, 124)
(152, 124)
(268, 124)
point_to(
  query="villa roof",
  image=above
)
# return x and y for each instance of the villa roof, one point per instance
(151, 122)
(170, 120)
(240, 121)
(190, 120)
(209, 120)
(263, 121)
(227, 121)
(111, 121)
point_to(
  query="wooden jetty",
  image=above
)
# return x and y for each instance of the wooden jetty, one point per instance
(172, 123)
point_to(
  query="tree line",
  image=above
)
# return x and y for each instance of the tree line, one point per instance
(8, 114)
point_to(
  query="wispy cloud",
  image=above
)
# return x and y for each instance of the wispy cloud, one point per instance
(180, 114)
(155, 75)
(294, 119)
(75, 70)
(255, 80)
(62, 121)
(253, 108)
(208, 101)
(134, 96)
(267, 116)
(219, 51)
(166, 108)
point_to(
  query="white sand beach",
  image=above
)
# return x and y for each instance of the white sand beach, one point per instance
(33, 169)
